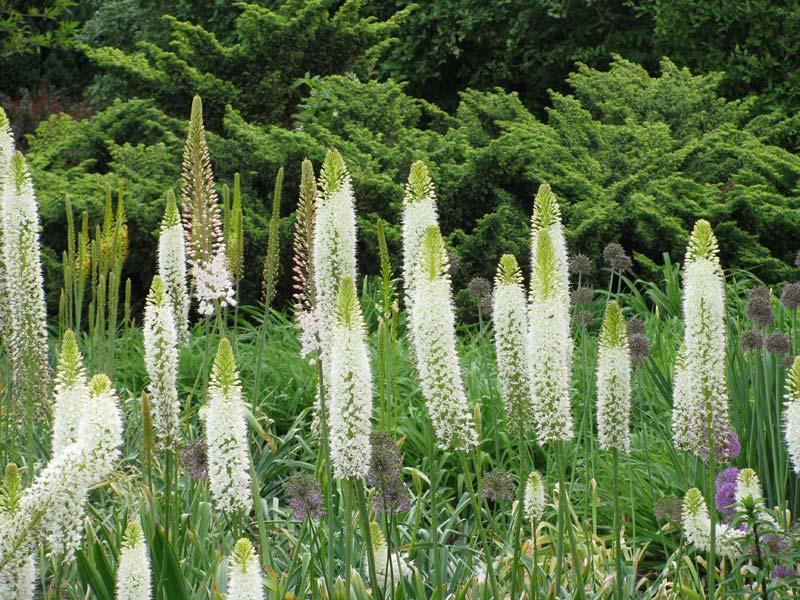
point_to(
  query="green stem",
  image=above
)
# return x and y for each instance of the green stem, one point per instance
(617, 526)
(362, 509)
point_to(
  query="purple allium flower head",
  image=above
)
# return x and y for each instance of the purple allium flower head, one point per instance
(480, 290)
(777, 542)
(580, 264)
(498, 485)
(783, 571)
(752, 340)
(759, 306)
(726, 499)
(729, 449)
(790, 297)
(669, 509)
(194, 458)
(386, 476)
(615, 257)
(777, 343)
(303, 495)
(635, 326)
(582, 295)
(639, 347)
(585, 318)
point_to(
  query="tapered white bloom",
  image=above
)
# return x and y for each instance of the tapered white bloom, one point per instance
(510, 317)
(226, 436)
(6, 152)
(161, 362)
(245, 581)
(334, 252)
(172, 266)
(24, 285)
(533, 501)
(18, 570)
(389, 567)
(791, 415)
(350, 388)
(70, 394)
(434, 338)
(613, 383)
(748, 487)
(685, 411)
(55, 502)
(547, 217)
(205, 242)
(704, 317)
(549, 345)
(697, 527)
(133, 570)
(419, 213)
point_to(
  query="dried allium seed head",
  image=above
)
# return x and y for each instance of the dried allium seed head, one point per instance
(480, 290)
(640, 348)
(635, 326)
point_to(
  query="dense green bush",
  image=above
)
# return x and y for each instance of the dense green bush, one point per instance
(634, 158)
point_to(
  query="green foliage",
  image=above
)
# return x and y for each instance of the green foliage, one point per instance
(26, 27)
(632, 158)
(257, 68)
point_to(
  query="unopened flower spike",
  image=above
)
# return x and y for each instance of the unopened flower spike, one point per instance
(534, 497)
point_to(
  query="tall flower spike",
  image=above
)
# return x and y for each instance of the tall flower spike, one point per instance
(351, 388)
(697, 527)
(70, 394)
(748, 488)
(6, 152)
(419, 213)
(684, 410)
(549, 345)
(226, 435)
(434, 340)
(24, 285)
(161, 362)
(303, 241)
(172, 266)
(245, 581)
(205, 243)
(547, 217)
(613, 382)
(133, 570)
(17, 574)
(510, 316)
(54, 505)
(791, 414)
(534, 497)
(704, 316)
(334, 251)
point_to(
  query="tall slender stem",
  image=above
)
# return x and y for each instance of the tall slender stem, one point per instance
(617, 525)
